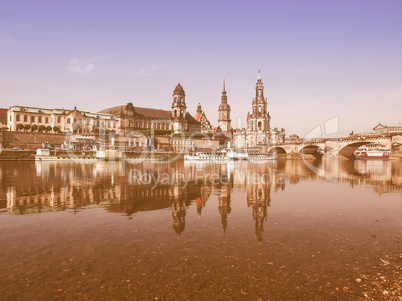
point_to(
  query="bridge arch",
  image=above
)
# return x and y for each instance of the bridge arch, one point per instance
(312, 150)
(348, 150)
(309, 149)
(278, 150)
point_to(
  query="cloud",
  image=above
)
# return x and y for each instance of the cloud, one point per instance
(80, 66)
(146, 71)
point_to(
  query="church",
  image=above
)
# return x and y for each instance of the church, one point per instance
(176, 121)
(258, 132)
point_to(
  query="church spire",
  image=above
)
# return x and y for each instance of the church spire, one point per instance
(224, 97)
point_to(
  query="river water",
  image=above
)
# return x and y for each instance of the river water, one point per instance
(283, 230)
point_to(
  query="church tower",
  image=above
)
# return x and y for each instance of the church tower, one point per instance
(258, 122)
(178, 114)
(224, 112)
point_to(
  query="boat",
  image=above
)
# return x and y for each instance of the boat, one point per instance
(372, 152)
(257, 156)
(229, 155)
(207, 156)
(43, 154)
(237, 155)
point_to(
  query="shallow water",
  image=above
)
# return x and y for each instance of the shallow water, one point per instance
(277, 231)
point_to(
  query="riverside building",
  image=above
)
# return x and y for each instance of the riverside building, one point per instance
(60, 120)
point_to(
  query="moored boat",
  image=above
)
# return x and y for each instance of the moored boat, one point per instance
(256, 156)
(372, 153)
(207, 156)
(44, 154)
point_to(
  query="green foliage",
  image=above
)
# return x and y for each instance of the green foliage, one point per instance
(20, 126)
(48, 128)
(42, 128)
(194, 135)
(27, 127)
(34, 127)
(55, 129)
(154, 132)
(96, 131)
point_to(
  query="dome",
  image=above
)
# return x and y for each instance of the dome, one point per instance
(224, 107)
(179, 90)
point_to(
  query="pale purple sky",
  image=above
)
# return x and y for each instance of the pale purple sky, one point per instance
(318, 59)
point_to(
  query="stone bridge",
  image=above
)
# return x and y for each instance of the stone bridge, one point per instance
(333, 147)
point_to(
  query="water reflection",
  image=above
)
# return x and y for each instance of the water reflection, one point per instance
(29, 188)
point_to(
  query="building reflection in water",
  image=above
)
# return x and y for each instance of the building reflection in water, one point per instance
(224, 206)
(29, 188)
(258, 197)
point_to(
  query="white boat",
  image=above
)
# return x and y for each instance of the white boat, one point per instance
(237, 155)
(43, 154)
(231, 154)
(372, 152)
(256, 156)
(207, 156)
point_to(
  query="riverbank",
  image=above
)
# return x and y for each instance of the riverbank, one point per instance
(12, 154)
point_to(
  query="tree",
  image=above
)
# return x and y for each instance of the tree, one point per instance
(42, 128)
(55, 129)
(96, 131)
(48, 128)
(34, 127)
(20, 126)
(27, 127)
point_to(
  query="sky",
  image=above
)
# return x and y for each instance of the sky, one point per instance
(318, 59)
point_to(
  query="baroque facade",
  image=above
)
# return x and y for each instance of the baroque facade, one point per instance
(258, 132)
(177, 120)
(71, 121)
(387, 128)
(200, 116)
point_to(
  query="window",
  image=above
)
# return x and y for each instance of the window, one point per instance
(25, 118)
(68, 120)
(47, 120)
(17, 117)
(40, 119)
(58, 119)
(32, 118)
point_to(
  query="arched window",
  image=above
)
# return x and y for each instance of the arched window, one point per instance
(259, 124)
